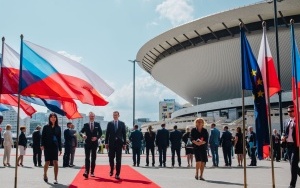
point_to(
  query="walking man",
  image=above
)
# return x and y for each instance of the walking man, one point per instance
(292, 148)
(91, 132)
(36, 146)
(68, 145)
(175, 139)
(214, 142)
(136, 138)
(115, 141)
(226, 143)
(162, 142)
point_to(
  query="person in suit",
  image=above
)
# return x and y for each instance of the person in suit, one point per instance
(189, 151)
(90, 132)
(276, 145)
(291, 144)
(214, 143)
(51, 144)
(74, 145)
(136, 138)
(175, 139)
(149, 138)
(252, 146)
(8, 144)
(22, 145)
(115, 141)
(36, 146)
(68, 145)
(226, 143)
(162, 142)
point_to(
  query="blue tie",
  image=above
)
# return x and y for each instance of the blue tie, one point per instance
(116, 126)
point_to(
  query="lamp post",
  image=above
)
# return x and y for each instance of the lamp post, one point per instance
(133, 110)
(197, 98)
(278, 60)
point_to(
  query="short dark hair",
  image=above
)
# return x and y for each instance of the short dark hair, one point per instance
(163, 125)
(226, 127)
(175, 127)
(22, 128)
(136, 126)
(291, 108)
(213, 124)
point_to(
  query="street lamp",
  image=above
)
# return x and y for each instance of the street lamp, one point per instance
(277, 58)
(133, 112)
(197, 98)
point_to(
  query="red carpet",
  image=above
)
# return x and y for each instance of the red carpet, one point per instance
(129, 178)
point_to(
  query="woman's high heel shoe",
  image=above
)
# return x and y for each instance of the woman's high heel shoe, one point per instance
(45, 178)
(196, 177)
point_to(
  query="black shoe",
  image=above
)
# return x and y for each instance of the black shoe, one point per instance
(40, 165)
(92, 174)
(111, 173)
(147, 165)
(138, 165)
(164, 165)
(133, 164)
(45, 179)
(86, 175)
(153, 164)
(117, 177)
(160, 165)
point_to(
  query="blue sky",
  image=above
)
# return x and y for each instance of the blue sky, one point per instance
(103, 35)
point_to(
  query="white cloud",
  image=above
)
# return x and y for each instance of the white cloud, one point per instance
(73, 57)
(177, 11)
(148, 94)
(153, 23)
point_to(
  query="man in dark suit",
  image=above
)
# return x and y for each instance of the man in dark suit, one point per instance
(68, 145)
(214, 143)
(226, 143)
(162, 142)
(115, 140)
(150, 144)
(136, 138)
(252, 146)
(91, 132)
(36, 146)
(175, 139)
(292, 148)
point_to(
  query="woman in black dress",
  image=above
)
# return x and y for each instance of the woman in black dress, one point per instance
(238, 145)
(199, 137)
(189, 151)
(51, 144)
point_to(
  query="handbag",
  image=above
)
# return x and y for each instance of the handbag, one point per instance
(189, 143)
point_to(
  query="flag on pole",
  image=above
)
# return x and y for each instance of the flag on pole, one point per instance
(10, 83)
(13, 101)
(59, 77)
(252, 80)
(295, 80)
(3, 108)
(267, 68)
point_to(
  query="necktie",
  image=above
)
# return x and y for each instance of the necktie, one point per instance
(116, 126)
(92, 126)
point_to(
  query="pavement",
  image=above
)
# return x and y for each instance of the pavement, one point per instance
(221, 177)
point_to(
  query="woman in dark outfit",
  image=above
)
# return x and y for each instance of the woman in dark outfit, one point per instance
(149, 138)
(189, 151)
(238, 145)
(199, 137)
(51, 144)
(22, 145)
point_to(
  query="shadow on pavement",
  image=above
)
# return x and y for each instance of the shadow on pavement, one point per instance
(224, 182)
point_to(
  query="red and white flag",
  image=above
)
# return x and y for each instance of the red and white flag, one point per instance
(267, 68)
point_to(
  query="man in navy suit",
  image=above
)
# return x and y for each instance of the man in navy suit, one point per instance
(68, 145)
(162, 142)
(136, 138)
(292, 148)
(175, 139)
(91, 132)
(214, 142)
(115, 141)
(226, 143)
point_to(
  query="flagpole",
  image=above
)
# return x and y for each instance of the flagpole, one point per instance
(18, 115)
(268, 103)
(244, 126)
(1, 63)
(295, 80)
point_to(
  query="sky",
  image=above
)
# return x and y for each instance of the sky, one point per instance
(103, 35)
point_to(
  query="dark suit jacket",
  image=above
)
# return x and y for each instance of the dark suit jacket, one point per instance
(112, 137)
(175, 138)
(96, 132)
(22, 140)
(287, 130)
(68, 138)
(36, 139)
(226, 139)
(162, 138)
(136, 138)
(149, 140)
(47, 137)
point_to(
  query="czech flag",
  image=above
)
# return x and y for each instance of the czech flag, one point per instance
(13, 101)
(49, 75)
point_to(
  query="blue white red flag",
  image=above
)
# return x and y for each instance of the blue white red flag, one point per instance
(49, 75)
